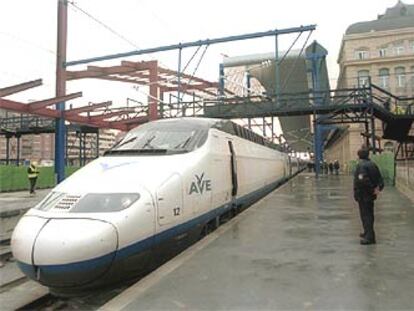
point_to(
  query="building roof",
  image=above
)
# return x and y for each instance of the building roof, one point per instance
(399, 16)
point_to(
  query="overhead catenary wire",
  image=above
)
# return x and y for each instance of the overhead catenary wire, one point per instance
(114, 32)
(264, 63)
(110, 29)
(28, 42)
(196, 67)
(296, 60)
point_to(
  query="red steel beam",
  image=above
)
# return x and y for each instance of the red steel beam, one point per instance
(192, 78)
(24, 108)
(186, 87)
(19, 87)
(52, 101)
(130, 123)
(109, 115)
(96, 71)
(87, 108)
(49, 113)
(153, 91)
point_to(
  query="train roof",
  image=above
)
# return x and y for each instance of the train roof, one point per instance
(225, 126)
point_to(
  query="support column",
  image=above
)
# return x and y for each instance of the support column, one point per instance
(221, 80)
(373, 142)
(60, 128)
(248, 83)
(366, 132)
(316, 58)
(97, 144)
(179, 76)
(84, 149)
(277, 69)
(18, 150)
(80, 147)
(7, 149)
(153, 90)
(318, 152)
(371, 111)
(66, 148)
(161, 104)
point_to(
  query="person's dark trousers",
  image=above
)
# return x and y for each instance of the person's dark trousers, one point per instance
(32, 184)
(366, 211)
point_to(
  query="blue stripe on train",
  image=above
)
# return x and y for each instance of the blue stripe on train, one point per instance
(142, 245)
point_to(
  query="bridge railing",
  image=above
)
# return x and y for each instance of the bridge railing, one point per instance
(398, 105)
(300, 102)
(22, 122)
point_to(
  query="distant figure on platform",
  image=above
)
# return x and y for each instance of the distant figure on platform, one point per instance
(32, 174)
(336, 167)
(309, 165)
(368, 183)
(331, 168)
(325, 167)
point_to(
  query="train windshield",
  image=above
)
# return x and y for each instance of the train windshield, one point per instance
(162, 138)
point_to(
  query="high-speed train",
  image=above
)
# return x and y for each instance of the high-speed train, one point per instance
(150, 196)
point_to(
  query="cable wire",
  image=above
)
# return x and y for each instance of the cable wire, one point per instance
(110, 29)
(296, 60)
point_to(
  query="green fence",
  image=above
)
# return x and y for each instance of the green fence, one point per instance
(14, 178)
(385, 162)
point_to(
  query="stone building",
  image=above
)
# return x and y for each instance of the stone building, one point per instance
(381, 50)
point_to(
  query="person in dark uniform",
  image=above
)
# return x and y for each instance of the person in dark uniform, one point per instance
(336, 167)
(32, 174)
(331, 168)
(368, 182)
(325, 167)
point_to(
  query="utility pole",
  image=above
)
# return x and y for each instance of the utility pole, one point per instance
(60, 129)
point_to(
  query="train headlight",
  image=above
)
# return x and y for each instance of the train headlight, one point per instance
(104, 202)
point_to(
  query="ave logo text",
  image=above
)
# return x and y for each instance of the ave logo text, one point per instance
(200, 185)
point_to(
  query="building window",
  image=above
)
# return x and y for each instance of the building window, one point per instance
(412, 46)
(363, 78)
(399, 49)
(384, 75)
(400, 76)
(382, 52)
(361, 54)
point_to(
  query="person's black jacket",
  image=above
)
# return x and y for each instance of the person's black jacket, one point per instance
(367, 177)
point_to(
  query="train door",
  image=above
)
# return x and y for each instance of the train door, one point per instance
(170, 200)
(233, 169)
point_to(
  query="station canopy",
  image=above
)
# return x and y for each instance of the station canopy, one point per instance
(295, 77)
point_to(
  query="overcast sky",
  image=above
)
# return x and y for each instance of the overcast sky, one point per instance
(28, 34)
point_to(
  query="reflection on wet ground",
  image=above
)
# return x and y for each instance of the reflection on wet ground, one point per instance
(300, 250)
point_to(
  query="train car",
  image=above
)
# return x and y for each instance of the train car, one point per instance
(150, 196)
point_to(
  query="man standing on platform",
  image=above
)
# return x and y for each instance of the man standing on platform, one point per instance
(32, 174)
(368, 182)
(336, 167)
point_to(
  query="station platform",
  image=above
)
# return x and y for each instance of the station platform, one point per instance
(296, 249)
(13, 205)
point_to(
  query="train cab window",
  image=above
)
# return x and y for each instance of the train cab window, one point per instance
(105, 202)
(166, 137)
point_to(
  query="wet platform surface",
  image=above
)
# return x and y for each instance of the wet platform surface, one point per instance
(13, 205)
(298, 248)
(20, 200)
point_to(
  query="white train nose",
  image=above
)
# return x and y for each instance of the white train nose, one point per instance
(70, 252)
